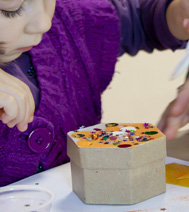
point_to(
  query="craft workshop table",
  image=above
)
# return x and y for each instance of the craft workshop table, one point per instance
(58, 180)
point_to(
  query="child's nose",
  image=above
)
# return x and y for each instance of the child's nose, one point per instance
(38, 24)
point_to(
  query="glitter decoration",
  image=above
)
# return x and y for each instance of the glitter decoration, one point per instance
(151, 132)
(111, 124)
(128, 135)
(81, 135)
(146, 125)
(113, 138)
(82, 127)
(144, 139)
(124, 145)
(97, 129)
(105, 138)
(94, 135)
(116, 143)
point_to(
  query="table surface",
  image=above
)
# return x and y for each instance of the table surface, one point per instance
(58, 180)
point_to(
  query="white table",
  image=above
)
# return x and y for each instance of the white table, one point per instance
(176, 198)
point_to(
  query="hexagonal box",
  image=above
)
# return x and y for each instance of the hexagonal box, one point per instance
(117, 163)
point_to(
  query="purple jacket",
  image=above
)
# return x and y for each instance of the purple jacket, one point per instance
(74, 64)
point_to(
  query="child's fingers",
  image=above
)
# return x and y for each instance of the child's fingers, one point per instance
(23, 125)
(1, 112)
(26, 107)
(13, 89)
(31, 119)
(29, 106)
(18, 108)
(21, 92)
(9, 107)
(21, 121)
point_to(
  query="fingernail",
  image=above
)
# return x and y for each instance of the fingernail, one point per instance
(31, 119)
(24, 128)
(186, 23)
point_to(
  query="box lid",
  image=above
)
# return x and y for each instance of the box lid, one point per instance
(116, 146)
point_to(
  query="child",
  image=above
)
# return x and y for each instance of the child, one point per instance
(67, 68)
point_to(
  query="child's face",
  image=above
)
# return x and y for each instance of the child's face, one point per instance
(22, 24)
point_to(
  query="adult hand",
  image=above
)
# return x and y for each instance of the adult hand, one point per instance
(177, 16)
(16, 102)
(177, 113)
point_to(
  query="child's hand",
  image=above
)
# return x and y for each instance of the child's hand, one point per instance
(178, 19)
(177, 113)
(16, 102)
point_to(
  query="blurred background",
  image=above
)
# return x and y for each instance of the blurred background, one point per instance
(141, 87)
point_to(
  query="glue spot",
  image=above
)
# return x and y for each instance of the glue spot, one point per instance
(124, 145)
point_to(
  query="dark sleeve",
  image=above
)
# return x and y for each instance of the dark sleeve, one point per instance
(22, 69)
(143, 26)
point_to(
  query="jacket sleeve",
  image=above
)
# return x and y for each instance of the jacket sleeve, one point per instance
(144, 26)
(96, 34)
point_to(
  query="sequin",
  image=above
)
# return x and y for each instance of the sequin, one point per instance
(111, 124)
(105, 138)
(113, 138)
(124, 145)
(151, 132)
(146, 124)
(97, 129)
(81, 135)
(116, 143)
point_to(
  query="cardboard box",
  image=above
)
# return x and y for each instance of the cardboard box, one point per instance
(117, 163)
